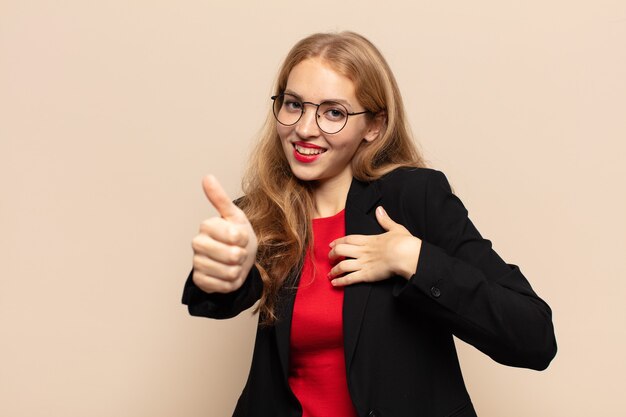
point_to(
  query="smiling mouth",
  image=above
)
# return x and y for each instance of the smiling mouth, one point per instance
(308, 151)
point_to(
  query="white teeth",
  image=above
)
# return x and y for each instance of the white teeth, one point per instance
(309, 151)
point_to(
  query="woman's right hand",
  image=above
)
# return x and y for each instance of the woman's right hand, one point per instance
(225, 248)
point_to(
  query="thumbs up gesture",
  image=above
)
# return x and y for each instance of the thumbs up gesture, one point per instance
(225, 248)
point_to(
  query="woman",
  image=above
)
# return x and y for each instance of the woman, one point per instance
(364, 261)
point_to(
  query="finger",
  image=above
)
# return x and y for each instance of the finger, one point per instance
(218, 251)
(211, 284)
(385, 221)
(350, 240)
(346, 251)
(219, 199)
(211, 268)
(225, 231)
(345, 266)
(352, 278)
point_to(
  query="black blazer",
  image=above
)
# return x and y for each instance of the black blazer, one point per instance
(399, 351)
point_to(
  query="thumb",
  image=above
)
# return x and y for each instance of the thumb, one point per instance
(385, 221)
(220, 200)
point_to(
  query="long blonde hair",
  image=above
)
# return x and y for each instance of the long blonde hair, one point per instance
(279, 205)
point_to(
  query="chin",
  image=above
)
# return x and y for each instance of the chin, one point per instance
(304, 174)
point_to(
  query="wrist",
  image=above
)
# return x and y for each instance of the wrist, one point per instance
(408, 257)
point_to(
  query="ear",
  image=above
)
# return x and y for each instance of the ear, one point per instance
(376, 125)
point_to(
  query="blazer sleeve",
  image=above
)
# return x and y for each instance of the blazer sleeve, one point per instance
(462, 283)
(222, 306)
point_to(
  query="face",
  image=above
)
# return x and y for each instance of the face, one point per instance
(314, 155)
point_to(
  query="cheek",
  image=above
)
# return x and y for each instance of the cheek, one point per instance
(283, 134)
(349, 143)
(283, 131)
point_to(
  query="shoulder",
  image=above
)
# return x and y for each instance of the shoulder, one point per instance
(423, 201)
(411, 196)
(413, 180)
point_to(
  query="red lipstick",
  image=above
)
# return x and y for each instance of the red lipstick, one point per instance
(307, 157)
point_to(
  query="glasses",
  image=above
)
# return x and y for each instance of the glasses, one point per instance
(331, 116)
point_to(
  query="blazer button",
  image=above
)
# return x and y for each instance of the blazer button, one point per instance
(374, 413)
(436, 292)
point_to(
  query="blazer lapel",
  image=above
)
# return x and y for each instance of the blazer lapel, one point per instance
(360, 219)
(282, 327)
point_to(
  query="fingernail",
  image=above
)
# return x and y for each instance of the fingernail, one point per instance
(381, 211)
(332, 244)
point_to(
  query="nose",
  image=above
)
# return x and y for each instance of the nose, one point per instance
(307, 125)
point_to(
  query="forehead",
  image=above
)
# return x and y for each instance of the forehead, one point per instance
(315, 80)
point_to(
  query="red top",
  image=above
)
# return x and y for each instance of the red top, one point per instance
(317, 372)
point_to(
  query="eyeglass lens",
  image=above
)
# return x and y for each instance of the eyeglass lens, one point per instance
(331, 117)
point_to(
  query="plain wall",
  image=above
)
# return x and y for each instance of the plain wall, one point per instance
(112, 111)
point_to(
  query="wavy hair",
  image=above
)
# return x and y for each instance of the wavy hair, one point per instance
(279, 205)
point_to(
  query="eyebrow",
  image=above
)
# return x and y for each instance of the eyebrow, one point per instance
(336, 100)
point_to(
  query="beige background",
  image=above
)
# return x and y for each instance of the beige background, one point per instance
(112, 111)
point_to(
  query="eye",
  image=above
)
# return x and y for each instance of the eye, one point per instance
(292, 105)
(333, 111)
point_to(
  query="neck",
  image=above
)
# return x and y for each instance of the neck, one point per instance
(330, 195)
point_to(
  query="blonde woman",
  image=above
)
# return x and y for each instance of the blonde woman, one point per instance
(364, 261)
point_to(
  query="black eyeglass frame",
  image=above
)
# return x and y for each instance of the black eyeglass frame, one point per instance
(348, 114)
